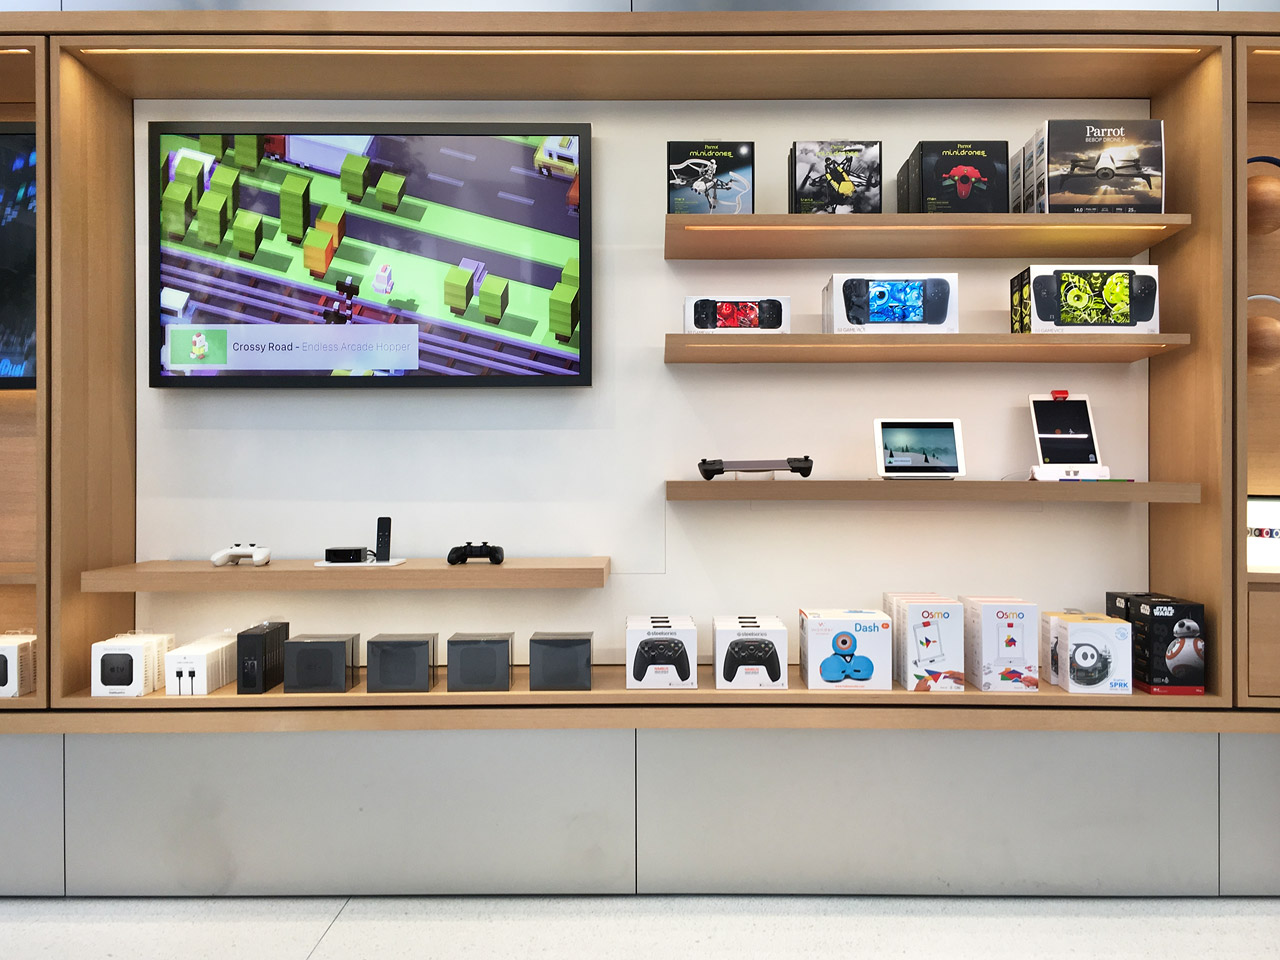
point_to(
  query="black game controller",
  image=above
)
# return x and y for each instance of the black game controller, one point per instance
(468, 551)
(752, 653)
(1142, 298)
(714, 468)
(857, 299)
(1048, 297)
(706, 314)
(1045, 291)
(661, 652)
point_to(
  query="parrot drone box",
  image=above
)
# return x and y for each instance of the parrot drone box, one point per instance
(1169, 646)
(1015, 180)
(17, 664)
(1101, 166)
(1058, 298)
(737, 314)
(705, 176)
(1087, 652)
(662, 651)
(846, 650)
(955, 176)
(891, 303)
(1001, 647)
(834, 176)
(928, 641)
(750, 652)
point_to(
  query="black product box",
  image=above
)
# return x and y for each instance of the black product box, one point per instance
(1169, 646)
(260, 657)
(834, 176)
(1020, 311)
(705, 176)
(1124, 604)
(320, 662)
(955, 176)
(1103, 166)
(479, 661)
(401, 662)
(560, 661)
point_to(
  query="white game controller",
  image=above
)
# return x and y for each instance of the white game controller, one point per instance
(242, 551)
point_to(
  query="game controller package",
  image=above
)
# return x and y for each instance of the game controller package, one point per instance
(1015, 180)
(710, 176)
(1169, 638)
(128, 665)
(1001, 647)
(891, 303)
(928, 641)
(955, 176)
(750, 652)
(1064, 298)
(737, 314)
(846, 650)
(17, 664)
(1087, 652)
(834, 176)
(662, 651)
(1100, 166)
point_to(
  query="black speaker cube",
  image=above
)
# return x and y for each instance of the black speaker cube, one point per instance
(401, 662)
(479, 661)
(320, 662)
(260, 657)
(560, 661)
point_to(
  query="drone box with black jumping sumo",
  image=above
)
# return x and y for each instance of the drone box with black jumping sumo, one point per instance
(1168, 646)
(834, 176)
(710, 176)
(955, 176)
(1102, 166)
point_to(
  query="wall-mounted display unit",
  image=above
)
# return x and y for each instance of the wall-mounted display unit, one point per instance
(17, 256)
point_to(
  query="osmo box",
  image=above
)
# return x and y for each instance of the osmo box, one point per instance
(560, 661)
(1089, 298)
(1169, 646)
(1087, 652)
(399, 662)
(260, 656)
(1102, 166)
(479, 661)
(737, 314)
(662, 652)
(128, 665)
(320, 662)
(891, 303)
(928, 632)
(199, 668)
(846, 649)
(1001, 647)
(17, 664)
(750, 652)
(955, 176)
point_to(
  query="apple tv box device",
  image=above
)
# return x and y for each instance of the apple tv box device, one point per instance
(401, 662)
(560, 661)
(479, 661)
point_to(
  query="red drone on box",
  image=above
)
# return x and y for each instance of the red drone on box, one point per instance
(964, 179)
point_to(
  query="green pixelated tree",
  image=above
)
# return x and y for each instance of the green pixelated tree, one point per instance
(214, 144)
(246, 233)
(570, 273)
(295, 206)
(334, 219)
(249, 148)
(175, 209)
(226, 181)
(191, 172)
(317, 251)
(458, 289)
(563, 311)
(493, 298)
(390, 190)
(354, 177)
(211, 218)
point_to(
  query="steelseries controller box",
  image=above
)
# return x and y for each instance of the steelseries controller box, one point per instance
(662, 651)
(891, 303)
(955, 176)
(750, 652)
(1090, 298)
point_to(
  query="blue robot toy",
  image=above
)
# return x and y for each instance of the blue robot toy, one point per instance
(845, 664)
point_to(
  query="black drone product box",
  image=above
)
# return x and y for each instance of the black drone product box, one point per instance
(1169, 646)
(560, 661)
(710, 176)
(401, 662)
(955, 176)
(479, 661)
(1103, 166)
(834, 176)
(260, 657)
(320, 662)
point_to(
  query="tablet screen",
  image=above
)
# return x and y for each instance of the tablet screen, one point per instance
(1063, 431)
(919, 447)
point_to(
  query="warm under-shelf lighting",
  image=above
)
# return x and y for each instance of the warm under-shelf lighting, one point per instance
(830, 228)
(381, 52)
(24, 50)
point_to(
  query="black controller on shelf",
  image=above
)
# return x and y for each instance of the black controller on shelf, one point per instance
(752, 653)
(470, 551)
(662, 653)
(714, 468)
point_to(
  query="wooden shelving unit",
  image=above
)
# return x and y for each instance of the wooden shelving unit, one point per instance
(518, 573)
(17, 573)
(892, 236)
(958, 491)
(920, 348)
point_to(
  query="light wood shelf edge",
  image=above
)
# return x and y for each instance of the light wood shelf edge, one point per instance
(981, 491)
(18, 573)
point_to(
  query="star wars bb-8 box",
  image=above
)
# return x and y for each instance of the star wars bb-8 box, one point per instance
(1169, 646)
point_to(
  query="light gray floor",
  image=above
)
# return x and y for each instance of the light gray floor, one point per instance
(566, 928)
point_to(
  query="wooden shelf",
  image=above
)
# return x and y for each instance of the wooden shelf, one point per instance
(919, 348)
(21, 572)
(892, 236)
(517, 573)
(998, 491)
(1263, 576)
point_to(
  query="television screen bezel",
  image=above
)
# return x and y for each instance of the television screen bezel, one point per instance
(29, 383)
(155, 339)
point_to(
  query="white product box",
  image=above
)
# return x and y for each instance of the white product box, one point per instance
(846, 649)
(928, 641)
(201, 667)
(662, 652)
(1262, 539)
(737, 314)
(891, 303)
(750, 652)
(1029, 176)
(1088, 652)
(128, 665)
(1015, 179)
(1001, 644)
(1090, 283)
(17, 664)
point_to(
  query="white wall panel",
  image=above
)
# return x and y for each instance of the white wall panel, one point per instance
(31, 815)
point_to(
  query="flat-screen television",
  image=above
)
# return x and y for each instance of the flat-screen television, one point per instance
(17, 255)
(361, 254)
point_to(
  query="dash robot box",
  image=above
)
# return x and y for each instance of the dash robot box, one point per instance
(1061, 298)
(928, 641)
(1169, 646)
(1087, 652)
(846, 649)
(955, 176)
(662, 651)
(1100, 166)
(750, 652)
(891, 303)
(1001, 648)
